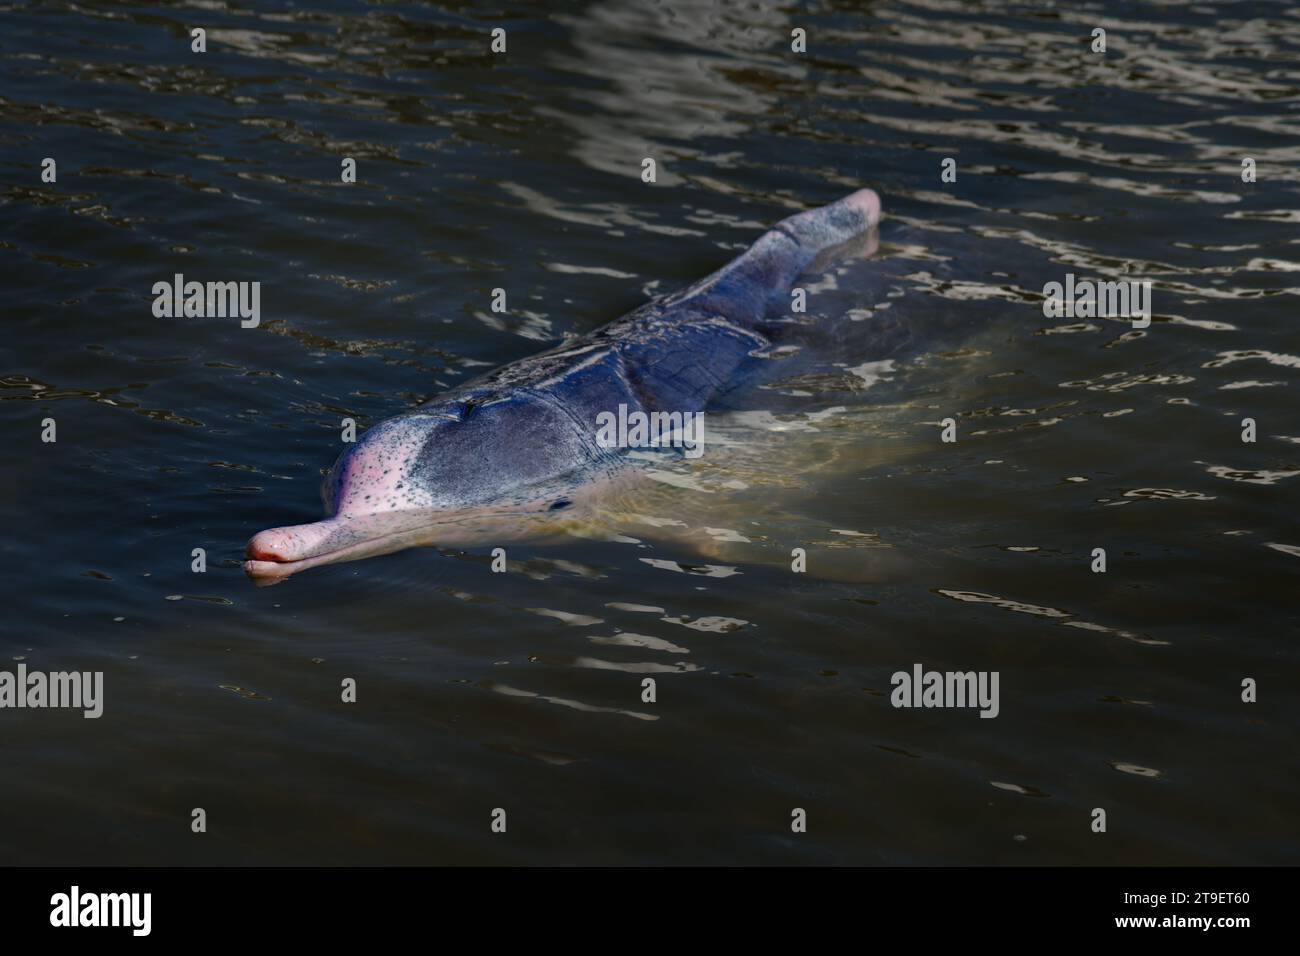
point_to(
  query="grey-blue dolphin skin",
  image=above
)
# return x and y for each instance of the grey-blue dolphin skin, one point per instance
(499, 458)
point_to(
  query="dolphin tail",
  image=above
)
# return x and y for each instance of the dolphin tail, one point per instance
(741, 289)
(820, 229)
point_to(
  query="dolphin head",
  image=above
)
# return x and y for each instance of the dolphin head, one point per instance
(456, 474)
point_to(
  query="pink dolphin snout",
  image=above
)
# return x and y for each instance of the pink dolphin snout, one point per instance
(278, 552)
(292, 543)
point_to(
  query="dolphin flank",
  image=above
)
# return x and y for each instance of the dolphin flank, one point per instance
(500, 457)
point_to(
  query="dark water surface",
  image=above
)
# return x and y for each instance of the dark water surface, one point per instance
(1118, 690)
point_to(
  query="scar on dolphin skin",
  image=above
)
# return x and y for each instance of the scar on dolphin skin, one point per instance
(514, 454)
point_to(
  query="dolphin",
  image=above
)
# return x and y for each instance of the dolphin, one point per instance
(503, 457)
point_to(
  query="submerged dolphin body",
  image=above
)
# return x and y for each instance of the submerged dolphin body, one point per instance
(496, 459)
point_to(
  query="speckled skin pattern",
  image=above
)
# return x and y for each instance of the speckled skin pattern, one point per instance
(522, 439)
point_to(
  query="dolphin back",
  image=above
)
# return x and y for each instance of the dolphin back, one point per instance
(684, 350)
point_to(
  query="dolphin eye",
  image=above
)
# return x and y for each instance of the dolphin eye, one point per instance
(557, 505)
